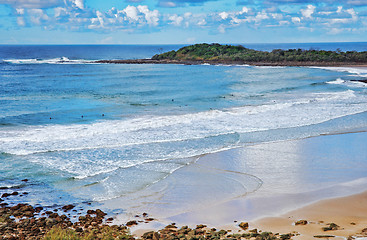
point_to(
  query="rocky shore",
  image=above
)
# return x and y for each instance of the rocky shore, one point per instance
(22, 221)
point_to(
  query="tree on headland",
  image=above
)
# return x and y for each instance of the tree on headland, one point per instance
(218, 52)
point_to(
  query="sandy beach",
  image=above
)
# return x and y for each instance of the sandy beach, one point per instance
(349, 213)
(318, 179)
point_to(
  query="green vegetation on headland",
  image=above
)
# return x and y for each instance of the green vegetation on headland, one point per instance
(238, 54)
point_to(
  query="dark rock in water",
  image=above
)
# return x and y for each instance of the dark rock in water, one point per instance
(100, 213)
(109, 219)
(14, 193)
(1, 200)
(243, 225)
(38, 209)
(25, 180)
(68, 207)
(3, 188)
(91, 212)
(48, 212)
(364, 80)
(5, 195)
(131, 223)
(301, 222)
(145, 214)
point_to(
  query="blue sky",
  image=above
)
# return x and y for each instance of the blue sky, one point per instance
(181, 21)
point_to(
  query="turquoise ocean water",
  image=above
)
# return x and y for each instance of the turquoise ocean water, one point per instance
(82, 132)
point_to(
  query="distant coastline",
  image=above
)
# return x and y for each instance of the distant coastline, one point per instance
(216, 54)
(229, 62)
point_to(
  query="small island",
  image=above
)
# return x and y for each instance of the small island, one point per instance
(229, 54)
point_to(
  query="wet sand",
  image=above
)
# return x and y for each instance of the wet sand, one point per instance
(264, 181)
(349, 213)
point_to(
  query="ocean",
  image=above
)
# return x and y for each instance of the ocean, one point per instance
(84, 133)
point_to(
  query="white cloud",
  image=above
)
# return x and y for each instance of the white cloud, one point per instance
(307, 13)
(244, 10)
(201, 22)
(21, 21)
(79, 3)
(224, 15)
(152, 17)
(277, 16)
(339, 9)
(20, 11)
(100, 18)
(176, 20)
(32, 3)
(296, 20)
(352, 13)
(37, 16)
(131, 12)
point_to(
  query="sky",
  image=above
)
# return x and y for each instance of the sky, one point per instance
(181, 21)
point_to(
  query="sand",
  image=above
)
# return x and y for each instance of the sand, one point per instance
(263, 184)
(350, 213)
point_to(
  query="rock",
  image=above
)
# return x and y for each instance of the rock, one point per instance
(148, 235)
(200, 226)
(78, 229)
(53, 215)
(100, 213)
(301, 222)
(5, 195)
(68, 207)
(149, 219)
(243, 225)
(145, 214)
(91, 212)
(331, 227)
(155, 236)
(131, 223)
(324, 236)
(14, 193)
(25, 180)
(38, 209)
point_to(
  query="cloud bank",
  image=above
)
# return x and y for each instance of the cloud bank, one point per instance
(333, 17)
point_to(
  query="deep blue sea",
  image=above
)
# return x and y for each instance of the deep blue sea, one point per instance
(84, 132)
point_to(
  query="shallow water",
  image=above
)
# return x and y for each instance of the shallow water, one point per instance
(84, 132)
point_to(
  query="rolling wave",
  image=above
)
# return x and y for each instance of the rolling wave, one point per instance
(61, 60)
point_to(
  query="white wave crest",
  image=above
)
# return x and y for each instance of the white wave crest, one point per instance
(61, 60)
(357, 71)
(311, 109)
(337, 81)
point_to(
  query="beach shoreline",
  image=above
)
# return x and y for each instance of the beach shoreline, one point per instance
(267, 202)
(268, 208)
